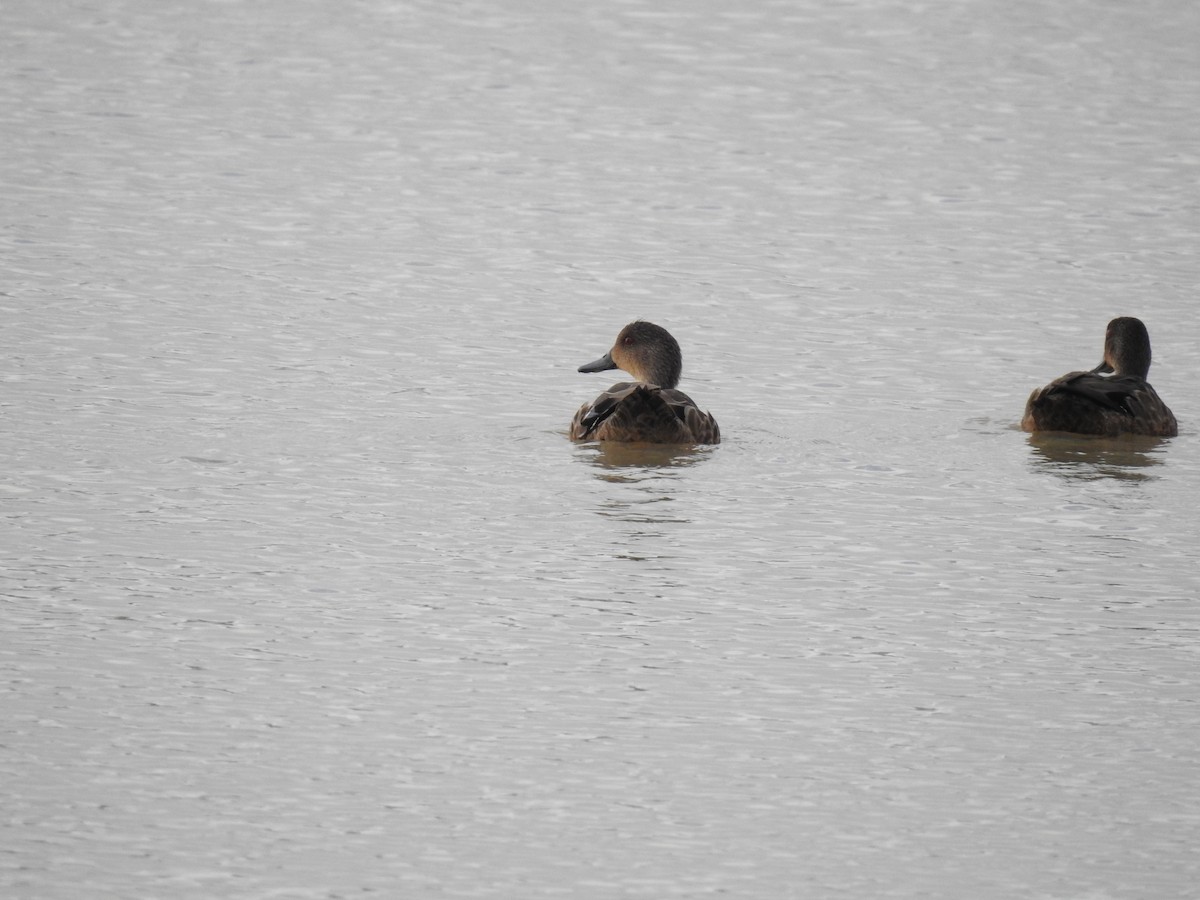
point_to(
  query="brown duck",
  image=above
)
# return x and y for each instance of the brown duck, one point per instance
(649, 408)
(1091, 403)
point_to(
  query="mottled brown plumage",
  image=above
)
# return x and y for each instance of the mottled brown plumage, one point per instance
(649, 409)
(1092, 403)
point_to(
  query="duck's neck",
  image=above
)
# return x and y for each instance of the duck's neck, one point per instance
(1131, 361)
(661, 373)
(1127, 347)
(662, 366)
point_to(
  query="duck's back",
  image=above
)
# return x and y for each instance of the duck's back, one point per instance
(1087, 403)
(636, 411)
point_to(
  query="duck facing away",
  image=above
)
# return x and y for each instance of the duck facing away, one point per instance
(1093, 403)
(649, 408)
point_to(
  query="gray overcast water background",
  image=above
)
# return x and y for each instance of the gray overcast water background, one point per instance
(305, 593)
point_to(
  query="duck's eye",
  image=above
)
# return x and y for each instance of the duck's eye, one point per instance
(627, 340)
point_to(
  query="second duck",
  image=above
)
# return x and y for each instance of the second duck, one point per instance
(1090, 403)
(649, 408)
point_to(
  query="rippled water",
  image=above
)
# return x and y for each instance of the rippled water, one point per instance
(306, 594)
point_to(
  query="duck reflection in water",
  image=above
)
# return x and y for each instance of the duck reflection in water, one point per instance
(636, 460)
(649, 409)
(645, 481)
(1079, 458)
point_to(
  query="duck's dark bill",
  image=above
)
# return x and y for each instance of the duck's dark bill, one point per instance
(603, 364)
(1104, 368)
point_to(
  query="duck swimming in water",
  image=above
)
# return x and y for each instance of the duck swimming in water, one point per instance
(1091, 403)
(649, 408)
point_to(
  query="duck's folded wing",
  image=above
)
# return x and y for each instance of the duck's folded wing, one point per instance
(591, 416)
(1118, 392)
(702, 425)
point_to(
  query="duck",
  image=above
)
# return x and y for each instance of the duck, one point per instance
(648, 409)
(1113, 398)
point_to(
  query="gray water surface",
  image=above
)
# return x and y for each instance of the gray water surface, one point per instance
(307, 595)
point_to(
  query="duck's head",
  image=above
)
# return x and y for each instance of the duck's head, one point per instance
(1126, 348)
(645, 351)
